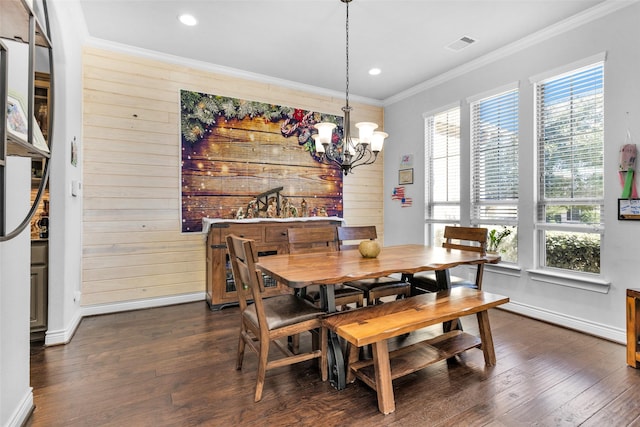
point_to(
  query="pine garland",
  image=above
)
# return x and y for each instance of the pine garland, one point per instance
(200, 110)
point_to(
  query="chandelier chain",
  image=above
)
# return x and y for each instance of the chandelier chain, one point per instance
(347, 54)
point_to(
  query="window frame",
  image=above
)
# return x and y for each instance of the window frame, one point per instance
(430, 221)
(503, 104)
(541, 225)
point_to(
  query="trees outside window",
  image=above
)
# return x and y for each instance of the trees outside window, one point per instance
(569, 133)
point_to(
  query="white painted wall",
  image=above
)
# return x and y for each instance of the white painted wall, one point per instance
(616, 34)
(65, 256)
(16, 397)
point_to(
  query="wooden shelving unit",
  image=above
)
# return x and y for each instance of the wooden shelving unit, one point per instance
(19, 24)
(633, 328)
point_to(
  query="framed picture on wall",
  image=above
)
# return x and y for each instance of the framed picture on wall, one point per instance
(16, 119)
(17, 125)
(629, 209)
(405, 176)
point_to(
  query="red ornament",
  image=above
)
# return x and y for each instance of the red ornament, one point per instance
(298, 114)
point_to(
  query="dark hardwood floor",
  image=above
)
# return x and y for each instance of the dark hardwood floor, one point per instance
(175, 366)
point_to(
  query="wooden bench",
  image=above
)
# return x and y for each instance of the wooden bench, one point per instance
(374, 325)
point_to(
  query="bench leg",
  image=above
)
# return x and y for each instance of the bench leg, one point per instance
(487, 339)
(384, 388)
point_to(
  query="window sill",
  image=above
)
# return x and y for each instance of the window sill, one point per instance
(506, 268)
(571, 281)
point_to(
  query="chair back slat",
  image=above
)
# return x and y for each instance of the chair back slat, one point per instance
(312, 239)
(467, 239)
(353, 235)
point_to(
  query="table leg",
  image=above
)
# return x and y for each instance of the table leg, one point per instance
(443, 282)
(337, 369)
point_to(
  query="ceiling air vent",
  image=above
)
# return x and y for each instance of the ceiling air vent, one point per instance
(460, 44)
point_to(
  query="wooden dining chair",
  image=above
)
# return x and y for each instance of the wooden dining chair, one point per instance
(271, 319)
(305, 240)
(374, 289)
(465, 238)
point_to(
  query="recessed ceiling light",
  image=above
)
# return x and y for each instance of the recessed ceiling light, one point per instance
(187, 19)
(375, 71)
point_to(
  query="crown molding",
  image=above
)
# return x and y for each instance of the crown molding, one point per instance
(603, 9)
(227, 71)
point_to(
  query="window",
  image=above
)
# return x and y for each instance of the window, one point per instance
(569, 132)
(494, 163)
(442, 160)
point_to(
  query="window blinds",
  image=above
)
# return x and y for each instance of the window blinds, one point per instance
(494, 159)
(570, 130)
(443, 159)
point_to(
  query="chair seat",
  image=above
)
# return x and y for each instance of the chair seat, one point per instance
(283, 310)
(427, 281)
(367, 285)
(340, 291)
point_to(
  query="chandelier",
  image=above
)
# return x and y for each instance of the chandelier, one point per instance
(349, 152)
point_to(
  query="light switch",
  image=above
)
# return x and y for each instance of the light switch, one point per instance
(76, 186)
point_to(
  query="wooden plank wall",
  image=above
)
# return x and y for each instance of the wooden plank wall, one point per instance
(132, 244)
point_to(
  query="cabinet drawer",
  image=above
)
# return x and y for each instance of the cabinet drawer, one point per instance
(39, 253)
(253, 232)
(276, 234)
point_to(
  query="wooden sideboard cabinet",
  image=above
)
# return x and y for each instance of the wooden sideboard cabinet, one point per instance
(271, 239)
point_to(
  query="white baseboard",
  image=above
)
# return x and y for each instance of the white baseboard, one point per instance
(592, 328)
(65, 335)
(92, 310)
(23, 411)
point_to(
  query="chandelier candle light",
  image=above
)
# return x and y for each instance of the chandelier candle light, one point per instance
(350, 152)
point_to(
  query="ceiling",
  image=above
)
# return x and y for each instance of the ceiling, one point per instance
(303, 41)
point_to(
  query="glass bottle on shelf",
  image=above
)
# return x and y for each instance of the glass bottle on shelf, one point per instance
(43, 222)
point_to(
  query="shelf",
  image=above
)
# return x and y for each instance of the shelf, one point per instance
(14, 23)
(19, 148)
(415, 357)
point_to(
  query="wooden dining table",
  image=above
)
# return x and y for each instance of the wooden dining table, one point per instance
(331, 268)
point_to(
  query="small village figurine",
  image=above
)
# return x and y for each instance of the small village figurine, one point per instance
(323, 212)
(240, 213)
(252, 209)
(271, 210)
(285, 212)
(304, 211)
